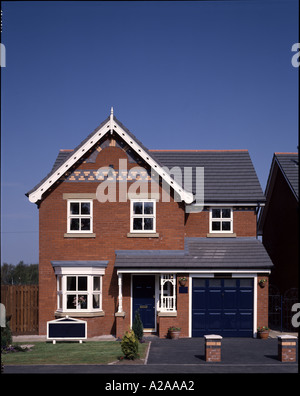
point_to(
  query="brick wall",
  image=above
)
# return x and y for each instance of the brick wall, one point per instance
(244, 223)
(111, 226)
(262, 302)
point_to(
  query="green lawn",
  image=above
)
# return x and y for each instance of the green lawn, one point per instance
(101, 352)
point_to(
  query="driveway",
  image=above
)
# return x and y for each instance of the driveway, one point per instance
(239, 355)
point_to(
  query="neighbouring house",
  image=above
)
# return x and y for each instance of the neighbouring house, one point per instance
(278, 220)
(169, 233)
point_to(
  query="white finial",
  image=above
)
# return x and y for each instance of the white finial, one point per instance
(111, 119)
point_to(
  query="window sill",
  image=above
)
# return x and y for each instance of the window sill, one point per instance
(167, 313)
(80, 235)
(142, 235)
(221, 235)
(79, 314)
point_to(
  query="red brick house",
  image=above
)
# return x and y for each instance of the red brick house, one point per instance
(278, 221)
(182, 251)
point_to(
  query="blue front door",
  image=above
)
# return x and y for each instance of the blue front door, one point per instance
(223, 307)
(144, 299)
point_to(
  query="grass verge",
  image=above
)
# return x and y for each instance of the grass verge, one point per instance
(98, 352)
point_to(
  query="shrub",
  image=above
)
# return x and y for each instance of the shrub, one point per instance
(137, 326)
(130, 345)
(6, 337)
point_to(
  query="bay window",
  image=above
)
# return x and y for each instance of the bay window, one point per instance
(79, 286)
(77, 292)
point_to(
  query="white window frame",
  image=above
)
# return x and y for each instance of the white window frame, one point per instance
(133, 216)
(220, 219)
(79, 216)
(62, 293)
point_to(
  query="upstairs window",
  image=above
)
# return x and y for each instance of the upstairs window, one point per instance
(143, 216)
(80, 216)
(221, 220)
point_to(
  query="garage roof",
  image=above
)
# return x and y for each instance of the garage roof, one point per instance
(200, 253)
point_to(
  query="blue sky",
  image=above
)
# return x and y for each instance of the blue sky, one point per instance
(180, 75)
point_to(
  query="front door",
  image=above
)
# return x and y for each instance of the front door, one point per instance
(144, 299)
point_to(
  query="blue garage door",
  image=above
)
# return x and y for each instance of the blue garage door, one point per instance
(223, 307)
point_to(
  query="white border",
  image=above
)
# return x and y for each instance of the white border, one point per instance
(90, 216)
(62, 321)
(132, 216)
(220, 219)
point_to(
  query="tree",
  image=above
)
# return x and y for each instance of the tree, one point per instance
(7, 274)
(21, 274)
(130, 345)
(137, 326)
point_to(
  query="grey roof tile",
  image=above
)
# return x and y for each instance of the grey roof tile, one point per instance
(228, 175)
(289, 165)
(200, 253)
(80, 263)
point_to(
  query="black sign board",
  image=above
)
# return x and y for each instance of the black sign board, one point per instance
(66, 329)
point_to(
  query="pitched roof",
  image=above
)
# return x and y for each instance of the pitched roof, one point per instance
(78, 263)
(289, 166)
(229, 175)
(63, 157)
(64, 161)
(200, 253)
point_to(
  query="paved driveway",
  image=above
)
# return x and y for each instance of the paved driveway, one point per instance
(240, 351)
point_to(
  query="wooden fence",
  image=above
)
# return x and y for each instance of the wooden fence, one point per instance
(21, 302)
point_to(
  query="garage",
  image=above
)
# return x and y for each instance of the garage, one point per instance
(222, 306)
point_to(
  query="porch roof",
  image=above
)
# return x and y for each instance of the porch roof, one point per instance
(80, 263)
(200, 253)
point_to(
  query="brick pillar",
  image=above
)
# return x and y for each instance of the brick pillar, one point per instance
(213, 348)
(287, 348)
(120, 324)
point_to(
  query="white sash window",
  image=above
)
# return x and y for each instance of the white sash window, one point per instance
(79, 287)
(80, 216)
(221, 220)
(143, 216)
(79, 292)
